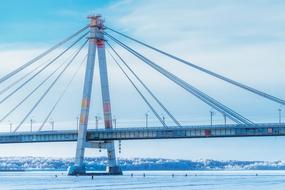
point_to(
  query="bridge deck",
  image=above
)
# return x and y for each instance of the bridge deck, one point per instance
(147, 133)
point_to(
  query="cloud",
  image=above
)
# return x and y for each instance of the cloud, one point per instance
(229, 37)
(217, 20)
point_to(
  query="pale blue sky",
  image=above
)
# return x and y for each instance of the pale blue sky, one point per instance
(240, 39)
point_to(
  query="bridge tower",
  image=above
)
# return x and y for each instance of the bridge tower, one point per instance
(96, 41)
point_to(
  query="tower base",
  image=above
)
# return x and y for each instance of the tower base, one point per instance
(81, 171)
(115, 170)
(76, 170)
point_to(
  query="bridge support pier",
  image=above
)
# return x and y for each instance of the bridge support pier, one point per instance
(110, 169)
(96, 40)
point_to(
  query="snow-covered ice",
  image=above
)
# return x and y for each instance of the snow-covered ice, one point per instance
(167, 180)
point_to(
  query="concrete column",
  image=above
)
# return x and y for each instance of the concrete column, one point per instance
(112, 167)
(79, 168)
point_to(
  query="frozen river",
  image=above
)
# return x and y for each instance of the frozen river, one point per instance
(198, 180)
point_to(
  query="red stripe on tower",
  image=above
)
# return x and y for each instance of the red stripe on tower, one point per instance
(100, 43)
(106, 107)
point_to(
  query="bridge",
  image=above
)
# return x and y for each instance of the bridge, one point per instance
(100, 136)
(100, 35)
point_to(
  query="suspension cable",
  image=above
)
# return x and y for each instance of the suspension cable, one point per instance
(42, 69)
(62, 93)
(49, 88)
(9, 75)
(33, 91)
(238, 84)
(19, 80)
(33, 70)
(202, 96)
(140, 93)
(144, 85)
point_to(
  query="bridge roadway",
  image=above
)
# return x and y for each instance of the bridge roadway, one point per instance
(199, 131)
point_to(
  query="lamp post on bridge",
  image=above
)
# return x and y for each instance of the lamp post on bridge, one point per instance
(146, 119)
(212, 113)
(10, 126)
(77, 123)
(31, 124)
(280, 115)
(225, 119)
(115, 121)
(52, 124)
(97, 121)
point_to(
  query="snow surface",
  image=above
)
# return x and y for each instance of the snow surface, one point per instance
(155, 180)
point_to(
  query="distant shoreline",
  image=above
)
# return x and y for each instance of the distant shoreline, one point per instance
(12, 170)
(19, 164)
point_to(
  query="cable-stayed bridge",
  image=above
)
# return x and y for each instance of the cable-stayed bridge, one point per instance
(97, 35)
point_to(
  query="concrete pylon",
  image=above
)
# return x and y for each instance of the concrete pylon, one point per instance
(96, 39)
